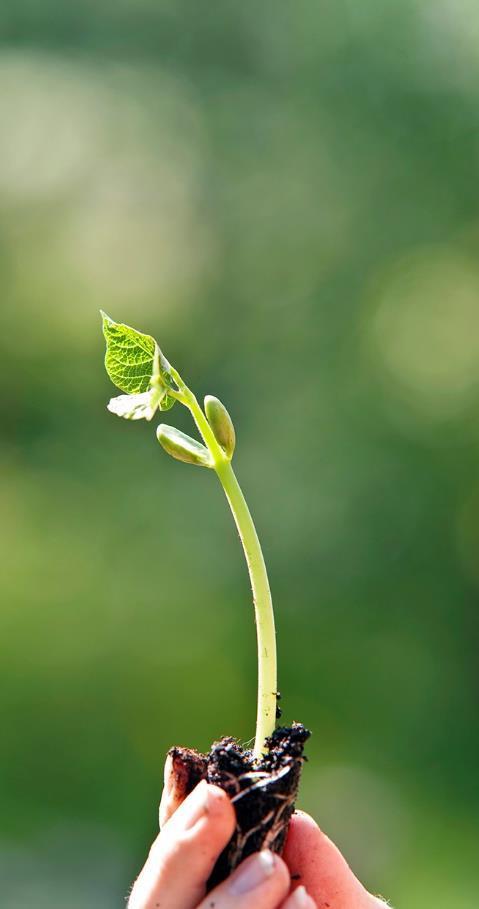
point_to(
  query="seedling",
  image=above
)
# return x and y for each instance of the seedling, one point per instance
(137, 366)
(270, 773)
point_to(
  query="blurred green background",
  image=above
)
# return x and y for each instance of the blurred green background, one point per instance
(286, 196)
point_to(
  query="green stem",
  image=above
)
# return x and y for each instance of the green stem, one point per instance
(265, 630)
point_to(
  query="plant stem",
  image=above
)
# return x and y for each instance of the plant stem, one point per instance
(265, 630)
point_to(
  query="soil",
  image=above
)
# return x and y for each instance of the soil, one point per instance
(263, 793)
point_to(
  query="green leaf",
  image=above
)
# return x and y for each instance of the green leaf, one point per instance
(166, 402)
(135, 364)
(183, 447)
(129, 356)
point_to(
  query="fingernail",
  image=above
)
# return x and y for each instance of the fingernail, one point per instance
(252, 872)
(300, 899)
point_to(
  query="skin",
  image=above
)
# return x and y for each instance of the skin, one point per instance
(312, 874)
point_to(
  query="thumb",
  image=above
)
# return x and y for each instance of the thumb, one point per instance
(314, 861)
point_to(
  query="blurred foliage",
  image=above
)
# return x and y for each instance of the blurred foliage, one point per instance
(286, 196)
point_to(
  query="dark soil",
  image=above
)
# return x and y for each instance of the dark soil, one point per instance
(263, 793)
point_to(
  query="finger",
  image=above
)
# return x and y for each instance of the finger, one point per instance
(174, 788)
(183, 855)
(262, 881)
(184, 768)
(316, 863)
(299, 899)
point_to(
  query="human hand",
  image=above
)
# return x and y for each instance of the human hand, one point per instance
(322, 869)
(311, 875)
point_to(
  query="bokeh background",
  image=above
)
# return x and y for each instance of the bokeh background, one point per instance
(286, 196)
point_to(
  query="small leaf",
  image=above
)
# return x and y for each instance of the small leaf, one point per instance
(183, 447)
(221, 424)
(129, 356)
(136, 364)
(135, 407)
(166, 402)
